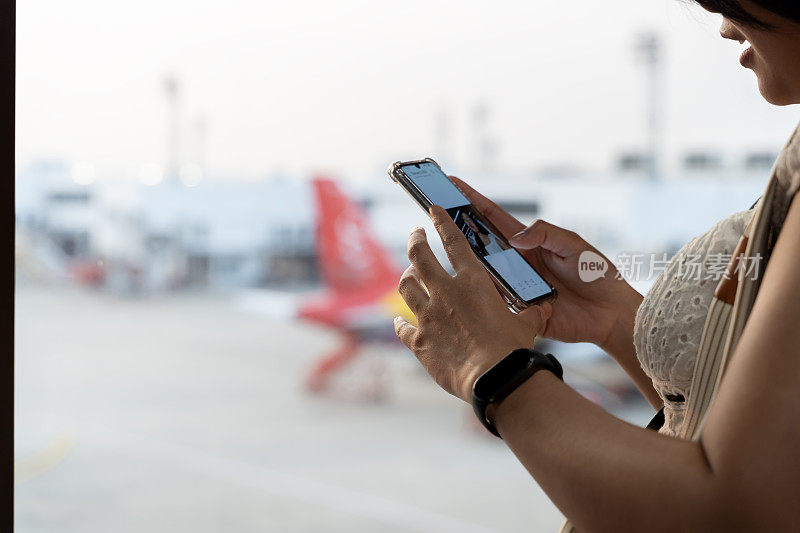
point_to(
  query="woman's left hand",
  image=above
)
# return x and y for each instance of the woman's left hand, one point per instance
(464, 325)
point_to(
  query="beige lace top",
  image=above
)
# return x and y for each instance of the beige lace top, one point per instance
(670, 320)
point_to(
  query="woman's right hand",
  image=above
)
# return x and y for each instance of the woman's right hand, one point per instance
(600, 311)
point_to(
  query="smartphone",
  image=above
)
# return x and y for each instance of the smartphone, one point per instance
(516, 279)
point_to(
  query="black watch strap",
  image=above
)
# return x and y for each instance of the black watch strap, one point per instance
(504, 377)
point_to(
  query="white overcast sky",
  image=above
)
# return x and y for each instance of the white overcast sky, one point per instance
(348, 86)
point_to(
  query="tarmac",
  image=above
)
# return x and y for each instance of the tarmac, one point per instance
(187, 413)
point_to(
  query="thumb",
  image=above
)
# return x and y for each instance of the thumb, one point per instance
(552, 238)
(539, 315)
(547, 310)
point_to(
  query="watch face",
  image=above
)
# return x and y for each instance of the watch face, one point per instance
(503, 374)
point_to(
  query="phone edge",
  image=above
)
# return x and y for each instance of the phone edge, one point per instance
(514, 302)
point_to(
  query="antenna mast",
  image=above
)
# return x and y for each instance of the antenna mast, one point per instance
(648, 49)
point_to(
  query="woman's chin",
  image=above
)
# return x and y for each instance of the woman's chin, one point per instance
(778, 94)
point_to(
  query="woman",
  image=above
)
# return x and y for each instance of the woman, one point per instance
(742, 469)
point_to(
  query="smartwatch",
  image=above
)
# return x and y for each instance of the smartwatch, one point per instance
(504, 377)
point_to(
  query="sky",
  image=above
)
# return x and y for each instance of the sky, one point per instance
(346, 87)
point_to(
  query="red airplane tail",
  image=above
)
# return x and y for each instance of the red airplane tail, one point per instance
(356, 270)
(350, 259)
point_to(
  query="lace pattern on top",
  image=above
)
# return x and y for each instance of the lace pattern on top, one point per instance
(670, 321)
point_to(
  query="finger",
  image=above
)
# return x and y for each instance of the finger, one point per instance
(404, 331)
(537, 315)
(498, 216)
(542, 234)
(455, 244)
(423, 259)
(412, 290)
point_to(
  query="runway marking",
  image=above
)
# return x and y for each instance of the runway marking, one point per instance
(43, 460)
(288, 485)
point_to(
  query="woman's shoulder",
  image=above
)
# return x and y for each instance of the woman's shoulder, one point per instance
(786, 176)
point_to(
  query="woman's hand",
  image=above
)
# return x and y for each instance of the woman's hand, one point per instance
(601, 311)
(464, 325)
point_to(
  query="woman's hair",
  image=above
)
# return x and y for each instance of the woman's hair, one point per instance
(733, 10)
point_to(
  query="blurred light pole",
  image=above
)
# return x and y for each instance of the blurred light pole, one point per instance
(201, 134)
(172, 92)
(443, 130)
(486, 148)
(648, 51)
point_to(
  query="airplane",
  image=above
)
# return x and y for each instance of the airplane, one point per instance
(360, 277)
(359, 299)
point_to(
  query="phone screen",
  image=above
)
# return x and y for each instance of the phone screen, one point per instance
(504, 260)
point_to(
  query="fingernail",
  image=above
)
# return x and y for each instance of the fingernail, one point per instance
(517, 237)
